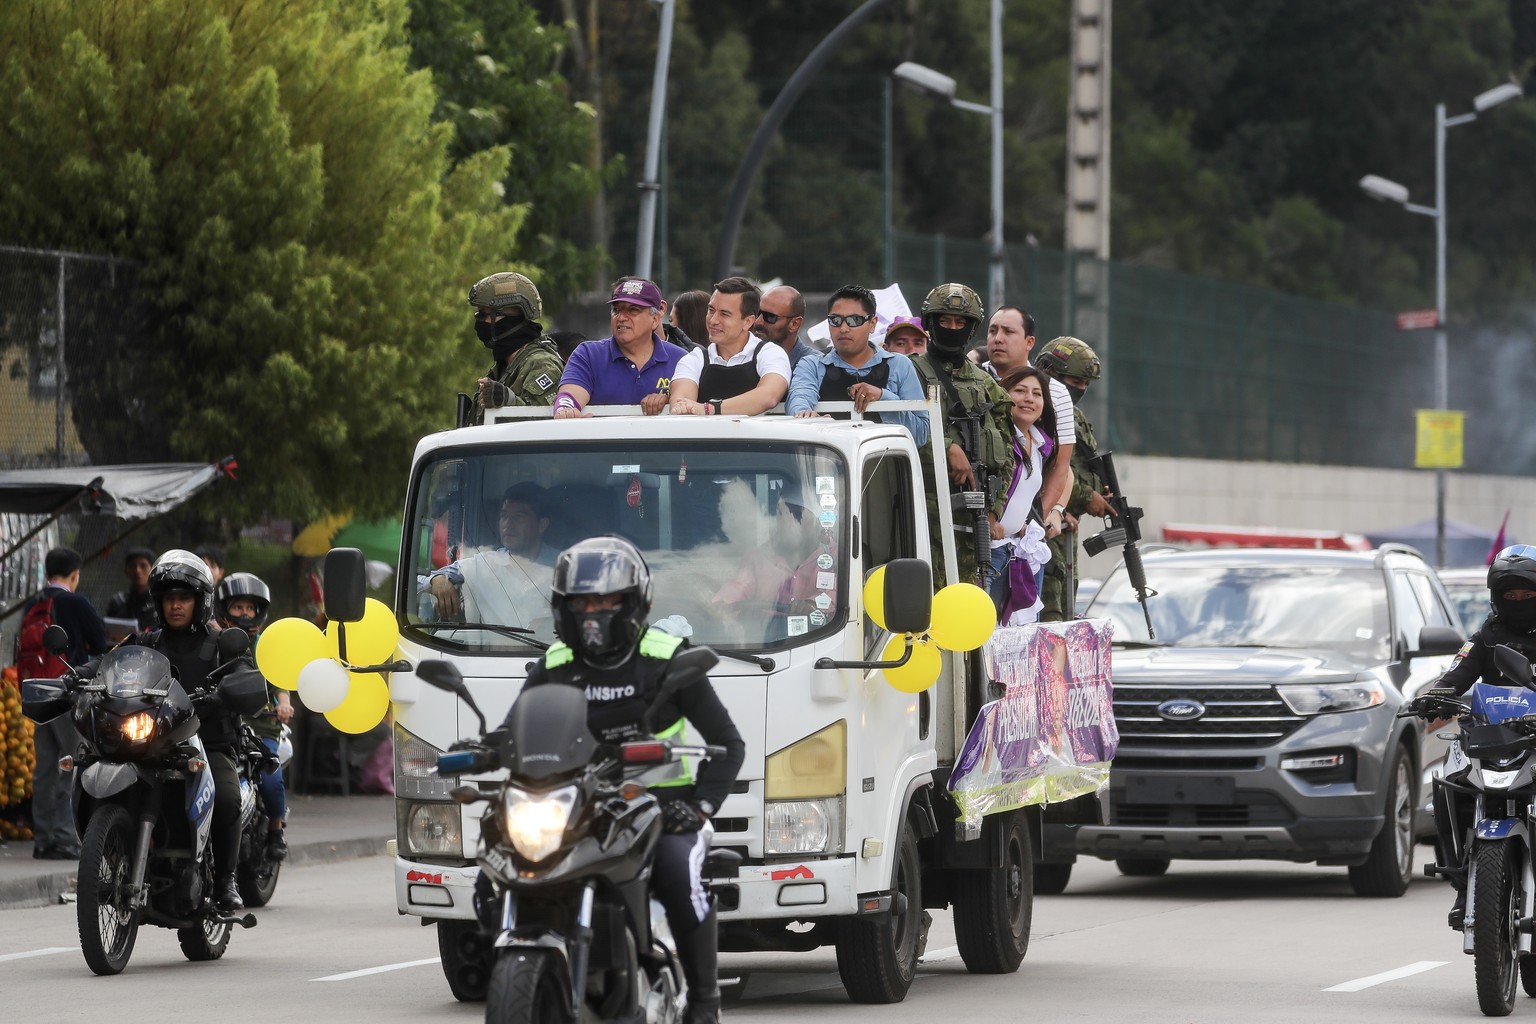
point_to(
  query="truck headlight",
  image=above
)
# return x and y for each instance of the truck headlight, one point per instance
(416, 769)
(797, 827)
(535, 822)
(1321, 698)
(431, 830)
(816, 766)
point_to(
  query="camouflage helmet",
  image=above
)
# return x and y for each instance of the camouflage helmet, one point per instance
(954, 298)
(1068, 357)
(507, 289)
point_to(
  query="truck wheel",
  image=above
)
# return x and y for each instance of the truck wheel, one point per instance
(877, 959)
(466, 959)
(1051, 879)
(1142, 867)
(993, 907)
(1389, 866)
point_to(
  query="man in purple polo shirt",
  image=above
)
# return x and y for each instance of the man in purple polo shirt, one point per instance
(633, 366)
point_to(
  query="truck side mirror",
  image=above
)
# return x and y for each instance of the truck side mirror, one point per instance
(346, 584)
(908, 595)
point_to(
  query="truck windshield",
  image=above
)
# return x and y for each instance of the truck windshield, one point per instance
(745, 544)
(1218, 606)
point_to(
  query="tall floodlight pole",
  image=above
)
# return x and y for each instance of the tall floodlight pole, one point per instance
(650, 187)
(1391, 191)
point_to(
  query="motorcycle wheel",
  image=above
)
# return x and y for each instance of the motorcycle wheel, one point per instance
(877, 959)
(1388, 867)
(1495, 929)
(1051, 879)
(257, 876)
(526, 988)
(994, 906)
(206, 941)
(465, 955)
(108, 927)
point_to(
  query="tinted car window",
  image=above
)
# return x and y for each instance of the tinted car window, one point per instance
(1410, 616)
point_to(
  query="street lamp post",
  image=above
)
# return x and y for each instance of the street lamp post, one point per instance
(1390, 191)
(929, 80)
(650, 187)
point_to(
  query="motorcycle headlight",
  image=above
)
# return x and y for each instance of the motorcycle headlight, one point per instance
(138, 727)
(534, 822)
(1322, 698)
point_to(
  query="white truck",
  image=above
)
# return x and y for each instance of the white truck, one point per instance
(759, 532)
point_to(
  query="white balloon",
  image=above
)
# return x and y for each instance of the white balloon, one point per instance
(323, 685)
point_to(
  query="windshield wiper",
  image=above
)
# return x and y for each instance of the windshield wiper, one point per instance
(766, 664)
(515, 632)
(1140, 643)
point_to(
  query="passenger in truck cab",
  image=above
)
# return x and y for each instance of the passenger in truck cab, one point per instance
(740, 373)
(500, 585)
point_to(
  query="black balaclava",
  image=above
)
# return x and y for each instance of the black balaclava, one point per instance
(505, 336)
(949, 343)
(1076, 393)
(1519, 616)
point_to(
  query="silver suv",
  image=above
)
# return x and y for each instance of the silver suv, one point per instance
(1260, 721)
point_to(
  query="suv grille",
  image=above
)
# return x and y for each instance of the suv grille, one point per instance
(1252, 810)
(1236, 715)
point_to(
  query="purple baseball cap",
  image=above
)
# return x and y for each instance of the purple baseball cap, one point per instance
(636, 291)
(913, 322)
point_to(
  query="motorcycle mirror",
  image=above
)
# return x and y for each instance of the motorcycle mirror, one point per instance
(55, 639)
(233, 642)
(687, 668)
(1513, 665)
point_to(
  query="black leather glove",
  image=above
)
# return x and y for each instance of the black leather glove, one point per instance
(680, 817)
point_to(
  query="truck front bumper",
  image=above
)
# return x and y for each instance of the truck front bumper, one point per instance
(804, 889)
(435, 890)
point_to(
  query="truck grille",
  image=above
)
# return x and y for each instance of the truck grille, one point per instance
(1236, 715)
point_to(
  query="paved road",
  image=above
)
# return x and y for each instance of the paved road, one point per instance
(1232, 942)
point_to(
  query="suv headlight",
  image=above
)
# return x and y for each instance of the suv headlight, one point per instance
(535, 822)
(1321, 698)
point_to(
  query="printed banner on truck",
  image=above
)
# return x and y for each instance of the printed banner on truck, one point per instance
(1052, 734)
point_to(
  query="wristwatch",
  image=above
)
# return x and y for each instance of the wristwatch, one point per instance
(717, 403)
(706, 807)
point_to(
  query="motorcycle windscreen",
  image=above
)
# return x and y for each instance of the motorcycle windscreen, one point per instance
(547, 732)
(130, 671)
(1498, 703)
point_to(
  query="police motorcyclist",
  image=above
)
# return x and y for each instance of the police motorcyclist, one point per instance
(242, 599)
(527, 369)
(182, 589)
(1512, 623)
(951, 314)
(1076, 365)
(601, 598)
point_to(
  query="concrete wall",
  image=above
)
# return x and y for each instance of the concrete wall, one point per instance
(1343, 498)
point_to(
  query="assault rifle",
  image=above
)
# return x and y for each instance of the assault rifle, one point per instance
(1125, 533)
(968, 425)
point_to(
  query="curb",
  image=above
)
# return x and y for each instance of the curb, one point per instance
(46, 890)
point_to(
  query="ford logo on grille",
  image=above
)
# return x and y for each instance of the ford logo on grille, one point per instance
(1181, 710)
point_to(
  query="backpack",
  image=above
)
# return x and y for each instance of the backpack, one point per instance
(32, 660)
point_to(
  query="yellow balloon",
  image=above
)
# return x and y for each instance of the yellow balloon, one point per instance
(364, 708)
(921, 670)
(371, 639)
(285, 647)
(874, 595)
(963, 617)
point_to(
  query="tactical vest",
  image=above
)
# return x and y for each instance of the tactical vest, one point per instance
(967, 389)
(722, 382)
(607, 710)
(836, 382)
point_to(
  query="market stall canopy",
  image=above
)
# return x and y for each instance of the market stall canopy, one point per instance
(123, 492)
(1264, 537)
(378, 539)
(1465, 545)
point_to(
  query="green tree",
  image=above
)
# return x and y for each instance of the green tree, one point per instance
(273, 168)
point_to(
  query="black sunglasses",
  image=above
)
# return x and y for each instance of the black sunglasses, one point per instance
(852, 319)
(773, 318)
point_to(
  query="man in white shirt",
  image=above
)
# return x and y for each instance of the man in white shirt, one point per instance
(1010, 337)
(738, 374)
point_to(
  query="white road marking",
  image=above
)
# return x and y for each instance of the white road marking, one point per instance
(934, 956)
(1397, 975)
(379, 970)
(29, 954)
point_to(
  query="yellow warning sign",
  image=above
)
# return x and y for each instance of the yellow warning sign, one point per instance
(1439, 439)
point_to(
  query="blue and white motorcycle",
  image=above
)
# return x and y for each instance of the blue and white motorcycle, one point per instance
(1488, 794)
(143, 796)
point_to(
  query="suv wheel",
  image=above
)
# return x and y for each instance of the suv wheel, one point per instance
(1389, 866)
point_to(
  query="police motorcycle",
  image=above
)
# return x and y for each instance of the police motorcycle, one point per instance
(257, 873)
(566, 847)
(1492, 763)
(143, 795)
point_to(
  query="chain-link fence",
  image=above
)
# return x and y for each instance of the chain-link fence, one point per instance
(1202, 368)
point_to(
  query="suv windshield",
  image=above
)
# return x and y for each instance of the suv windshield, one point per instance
(1261, 606)
(744, 543)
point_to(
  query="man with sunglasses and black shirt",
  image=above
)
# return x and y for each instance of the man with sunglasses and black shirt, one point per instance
(856, 370)
(780, 313)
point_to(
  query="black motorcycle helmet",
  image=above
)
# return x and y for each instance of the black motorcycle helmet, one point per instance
(246, 585)
(179, 569)
(597, 567)
(1514, 568)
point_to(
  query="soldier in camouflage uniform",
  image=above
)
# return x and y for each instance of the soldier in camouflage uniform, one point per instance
(527, 367)
(1073, 363)
(951, 314)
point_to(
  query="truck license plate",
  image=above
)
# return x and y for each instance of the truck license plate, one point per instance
(1156, 789)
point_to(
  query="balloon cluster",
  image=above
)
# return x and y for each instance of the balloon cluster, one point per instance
(962, 620)
(294, 655)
